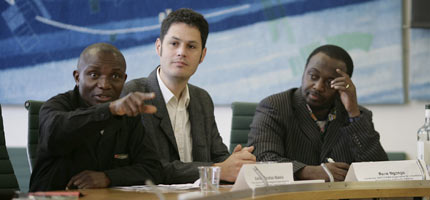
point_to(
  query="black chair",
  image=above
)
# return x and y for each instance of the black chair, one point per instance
(33, 108)
(243, 113)
(8, 181)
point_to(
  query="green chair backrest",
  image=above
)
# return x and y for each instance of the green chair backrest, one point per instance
(8, 179)
(396, 155)
(243, 113)
(33, 108)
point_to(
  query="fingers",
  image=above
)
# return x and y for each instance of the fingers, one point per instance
(133, 104)
(338, 170)
(341, 165)
(341, 83)
(137, 105)
(245, 155)
(77, 180)
(145, 96)
(237, 148)
(149, 109)
(248, 149)
(89, 179)
(342, 73)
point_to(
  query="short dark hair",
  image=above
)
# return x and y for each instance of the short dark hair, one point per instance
(337, 53)
(189, 17)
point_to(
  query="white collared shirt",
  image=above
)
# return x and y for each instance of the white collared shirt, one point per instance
(179, 118)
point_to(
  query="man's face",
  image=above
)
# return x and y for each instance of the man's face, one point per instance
(100, 77)
(180, 52)
(316, 81)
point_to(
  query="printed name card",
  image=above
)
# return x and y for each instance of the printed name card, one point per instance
(263, 174)
(387, 171)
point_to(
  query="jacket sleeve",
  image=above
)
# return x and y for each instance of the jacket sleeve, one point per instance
(267, 135)
(180, 172)
(144, 163)
(365, 139)
(219, 151)
(62, 128)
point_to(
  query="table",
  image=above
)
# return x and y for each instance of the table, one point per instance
(337, 190)
(111, 193)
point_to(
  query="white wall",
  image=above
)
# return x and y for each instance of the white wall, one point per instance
(397, 124)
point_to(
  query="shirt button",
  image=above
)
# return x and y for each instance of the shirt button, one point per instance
(101, 132)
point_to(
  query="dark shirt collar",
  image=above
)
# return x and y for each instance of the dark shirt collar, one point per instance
(80, 101)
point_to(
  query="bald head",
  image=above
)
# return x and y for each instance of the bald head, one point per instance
(98, 49)
(101, 73)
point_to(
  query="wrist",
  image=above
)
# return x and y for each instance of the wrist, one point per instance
(107, 181)
(112, 108)
(354, 119)
(354, 113)
(302, 173)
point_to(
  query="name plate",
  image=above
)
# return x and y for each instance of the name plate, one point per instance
(263, 174)
(387, 171)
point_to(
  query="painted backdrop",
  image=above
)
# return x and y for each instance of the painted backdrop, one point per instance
(255, 47)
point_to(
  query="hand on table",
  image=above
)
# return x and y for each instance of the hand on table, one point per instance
(231, 166)
(337, 169)
(89, 179)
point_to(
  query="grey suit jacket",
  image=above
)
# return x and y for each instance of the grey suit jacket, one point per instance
(207, 148)
(283, 130)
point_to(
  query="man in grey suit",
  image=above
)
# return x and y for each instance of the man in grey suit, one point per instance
(184, 124)
(317, 123)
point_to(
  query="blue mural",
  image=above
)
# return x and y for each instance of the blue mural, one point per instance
(419, 70)
(255, 47)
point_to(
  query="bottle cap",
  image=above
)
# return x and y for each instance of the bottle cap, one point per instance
(427, 106)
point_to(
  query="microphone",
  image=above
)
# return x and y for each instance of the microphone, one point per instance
(155, 190)
(258, 172)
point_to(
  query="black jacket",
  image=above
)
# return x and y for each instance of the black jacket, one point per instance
(207, 145)
(283, 130)
(75, 137)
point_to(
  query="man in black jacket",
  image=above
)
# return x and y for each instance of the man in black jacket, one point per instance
(88, 137)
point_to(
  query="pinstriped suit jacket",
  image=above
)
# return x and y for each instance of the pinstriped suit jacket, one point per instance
(283, 130)
(207, 145)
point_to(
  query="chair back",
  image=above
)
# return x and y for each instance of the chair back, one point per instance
(396, 155)
(33, 108)
(7, 174)
(243, 113)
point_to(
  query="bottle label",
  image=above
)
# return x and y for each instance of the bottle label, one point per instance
(424, 151)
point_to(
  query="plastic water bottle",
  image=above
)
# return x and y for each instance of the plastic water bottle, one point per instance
(423, 139)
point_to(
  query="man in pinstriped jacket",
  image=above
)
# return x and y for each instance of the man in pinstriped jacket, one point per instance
(318, 121)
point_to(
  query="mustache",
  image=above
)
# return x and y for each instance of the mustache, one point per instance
(104, 94)
(314, 92)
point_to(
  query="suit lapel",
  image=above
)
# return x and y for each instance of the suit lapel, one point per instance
(198, 134)
(307, 124)
(333, 130)
(161, 116)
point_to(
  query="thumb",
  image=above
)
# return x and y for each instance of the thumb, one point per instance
(114, 109)
(250, 149)
(237, 148)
